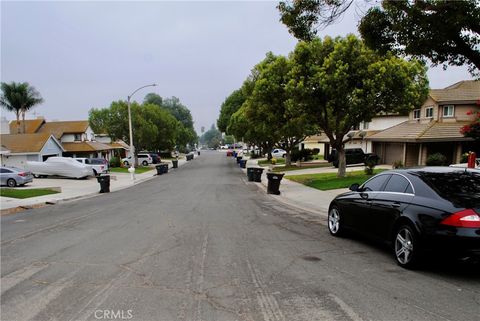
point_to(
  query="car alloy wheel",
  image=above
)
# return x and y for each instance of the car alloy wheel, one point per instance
(145, 163)
(334, 222)
(125, 163)
(405, 246)
(11, 182)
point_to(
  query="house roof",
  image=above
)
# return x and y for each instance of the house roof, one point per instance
(467, 90)
(86, 146)
(31, 125)
(59, 128)
(413, 131)
(119, 144)
(26, 143)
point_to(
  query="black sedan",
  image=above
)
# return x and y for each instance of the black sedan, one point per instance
(415, 210)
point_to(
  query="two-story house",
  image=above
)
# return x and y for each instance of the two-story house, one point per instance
(433, 128)
(76, 137)
(357, 137)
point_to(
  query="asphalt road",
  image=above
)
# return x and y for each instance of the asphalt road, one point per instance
(201, 243)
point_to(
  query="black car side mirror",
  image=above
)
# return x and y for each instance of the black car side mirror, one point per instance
(355, 187)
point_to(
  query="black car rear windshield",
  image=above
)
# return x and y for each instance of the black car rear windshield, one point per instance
(454, 186)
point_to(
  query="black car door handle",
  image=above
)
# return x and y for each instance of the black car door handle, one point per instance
(396, 204)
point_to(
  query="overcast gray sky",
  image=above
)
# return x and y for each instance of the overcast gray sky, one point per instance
(81, 55)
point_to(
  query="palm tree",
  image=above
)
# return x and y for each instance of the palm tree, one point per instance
(19, 98)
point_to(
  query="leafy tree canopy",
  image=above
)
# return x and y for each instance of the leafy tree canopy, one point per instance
(231, 104)
(304, 18)
(340, 82)
(212, 137)
(446, 32)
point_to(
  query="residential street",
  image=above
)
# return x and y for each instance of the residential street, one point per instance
(202, 243)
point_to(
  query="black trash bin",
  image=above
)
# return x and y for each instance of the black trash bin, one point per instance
(159, 169)
(164, 168)
(104, 181)
(198, 153)
(257, 174)
(239, 158)
(273, 186)
(175, 163)
(243, 163)
(250, 174)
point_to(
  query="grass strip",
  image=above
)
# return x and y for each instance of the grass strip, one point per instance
(328, 181)
(25, 193)
(138, 170)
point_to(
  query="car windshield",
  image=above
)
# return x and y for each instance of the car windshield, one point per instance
(459, 187)
(97, 161)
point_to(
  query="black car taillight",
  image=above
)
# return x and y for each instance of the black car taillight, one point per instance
(465, 218)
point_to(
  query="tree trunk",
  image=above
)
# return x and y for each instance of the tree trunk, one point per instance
(288, 159)
(23, 121)
(18, 121)
(342, 164)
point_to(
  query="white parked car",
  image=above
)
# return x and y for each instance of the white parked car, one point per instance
(98, 165)
(59, 166)
(278, 153)
(143, 159)
(477, 164)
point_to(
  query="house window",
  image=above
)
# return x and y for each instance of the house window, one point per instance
(416, 114)
(448, 111)
(78, 137)
(356, 127)
(429, 112)
(366, 125)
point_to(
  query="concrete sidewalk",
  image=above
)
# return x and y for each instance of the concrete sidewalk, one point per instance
(303, 197)
(74, 188)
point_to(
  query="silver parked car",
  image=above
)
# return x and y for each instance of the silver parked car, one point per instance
(12, 176)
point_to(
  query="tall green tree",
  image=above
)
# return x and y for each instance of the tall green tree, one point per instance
(153, 128)
(19, 98)
(446, 32)
(269, 104)
(212, 137)
(231, 104)
(340, 82)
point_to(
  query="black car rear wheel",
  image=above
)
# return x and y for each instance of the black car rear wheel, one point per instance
(406, 247)
(145, 163)
(334, 222)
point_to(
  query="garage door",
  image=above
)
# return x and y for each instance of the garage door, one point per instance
(393, 153)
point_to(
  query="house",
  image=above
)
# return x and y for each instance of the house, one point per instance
(77, 137)
(358, 135)
(433, 128)
(21, 148)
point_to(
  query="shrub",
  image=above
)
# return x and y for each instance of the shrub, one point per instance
(302, 155)
(436, 159)
(273, 161)
(370, 164)
(315, 151)
(114, 162)
(165, 154)
(397, 164)
(464, 158)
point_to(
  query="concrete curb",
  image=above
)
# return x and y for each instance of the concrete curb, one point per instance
(17, 209)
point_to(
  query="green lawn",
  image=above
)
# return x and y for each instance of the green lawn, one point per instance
(25, 193)
(327, 181)
(296, 168)
(138, 170)
(266, 162)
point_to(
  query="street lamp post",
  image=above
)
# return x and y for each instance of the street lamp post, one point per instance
(132, 148)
